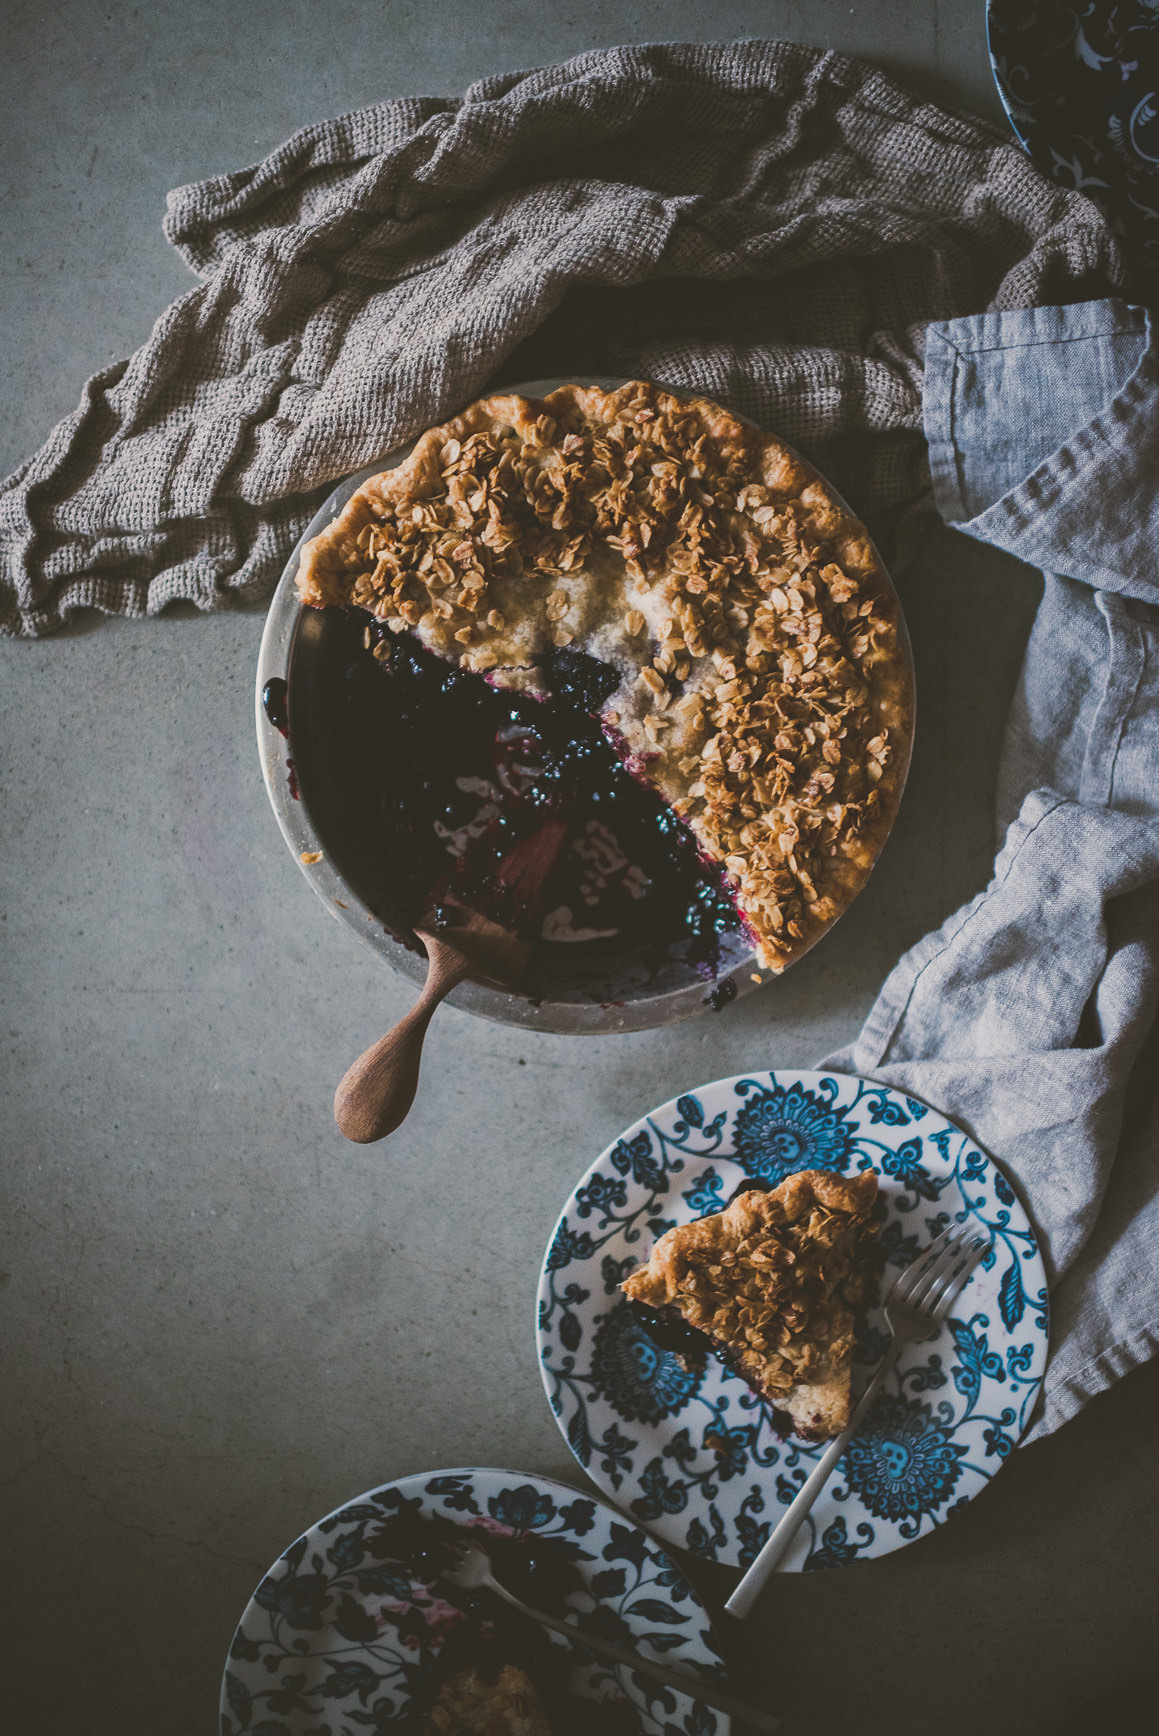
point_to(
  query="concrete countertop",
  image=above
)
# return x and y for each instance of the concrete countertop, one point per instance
(220, 1321)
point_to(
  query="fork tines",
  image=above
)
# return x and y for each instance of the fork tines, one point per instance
(947, 1259)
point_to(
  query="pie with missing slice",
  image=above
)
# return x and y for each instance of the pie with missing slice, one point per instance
(751, 658)
(774, 1282)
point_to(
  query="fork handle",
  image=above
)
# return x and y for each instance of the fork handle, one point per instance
(675, 1679)
(792, 1519)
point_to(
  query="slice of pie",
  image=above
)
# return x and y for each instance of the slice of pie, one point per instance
(753, 663)
(474, 1702)
(774, 1282)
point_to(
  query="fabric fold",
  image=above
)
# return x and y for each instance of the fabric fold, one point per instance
(1030, 1017)
(768, 222)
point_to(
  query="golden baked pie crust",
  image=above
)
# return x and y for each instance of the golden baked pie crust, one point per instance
(775, 1280)
(765, 688)
(471, 1704)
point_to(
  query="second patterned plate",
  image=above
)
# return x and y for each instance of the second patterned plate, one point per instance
(339, 1637)
(693, 1453)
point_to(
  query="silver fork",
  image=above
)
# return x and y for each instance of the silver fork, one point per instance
(918, 1302)
(472, 1570)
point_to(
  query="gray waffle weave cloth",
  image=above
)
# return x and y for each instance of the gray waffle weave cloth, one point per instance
(765, 222)
(1030, 1016)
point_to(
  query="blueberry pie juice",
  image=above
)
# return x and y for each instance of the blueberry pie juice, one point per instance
(435, 782)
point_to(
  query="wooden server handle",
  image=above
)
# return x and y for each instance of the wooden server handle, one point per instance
(375, 1094)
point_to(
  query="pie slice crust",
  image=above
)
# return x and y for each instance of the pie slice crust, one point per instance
(775, 1282)
(760, 672)
(475, 1703)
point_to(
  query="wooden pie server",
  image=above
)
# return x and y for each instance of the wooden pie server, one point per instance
(375, 1094)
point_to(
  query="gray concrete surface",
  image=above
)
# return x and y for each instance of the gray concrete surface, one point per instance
(219, 1320)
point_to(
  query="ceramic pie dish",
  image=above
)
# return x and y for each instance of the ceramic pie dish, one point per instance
(361, 761)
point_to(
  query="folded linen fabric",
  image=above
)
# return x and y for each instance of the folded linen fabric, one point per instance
(1030, 1016)
(793, 221)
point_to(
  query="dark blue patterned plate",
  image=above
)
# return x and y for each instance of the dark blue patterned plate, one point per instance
(695, 1454)
(1080, 84)
(339, 1638)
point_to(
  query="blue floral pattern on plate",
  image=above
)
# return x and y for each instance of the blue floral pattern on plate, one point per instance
(1080, 85)
(338, 1637)
(694, 1454)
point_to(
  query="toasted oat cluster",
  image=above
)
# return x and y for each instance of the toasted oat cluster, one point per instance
(764, 682)
(473, 1704)
(775, 1282)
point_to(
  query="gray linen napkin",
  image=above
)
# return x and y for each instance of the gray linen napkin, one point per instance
(1030, 1016)
(793, 221)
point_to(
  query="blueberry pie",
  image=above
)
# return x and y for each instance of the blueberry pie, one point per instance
(756, 671)
(774, 1283)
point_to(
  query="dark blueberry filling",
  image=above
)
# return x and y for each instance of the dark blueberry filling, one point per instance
(538, 1570)
(579, 680)
(722, 995)
(751, 1184)
(447, 776)
(487, 1633)
(275, 696)
(668, 1330)
(426, 1547)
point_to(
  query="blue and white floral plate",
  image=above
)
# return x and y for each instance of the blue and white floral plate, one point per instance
(694, 1454)
(338, 1637)
(1080, 85)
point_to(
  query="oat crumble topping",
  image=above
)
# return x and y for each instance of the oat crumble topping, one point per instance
(775, 1281)
(765, 686)
(471, 1702)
